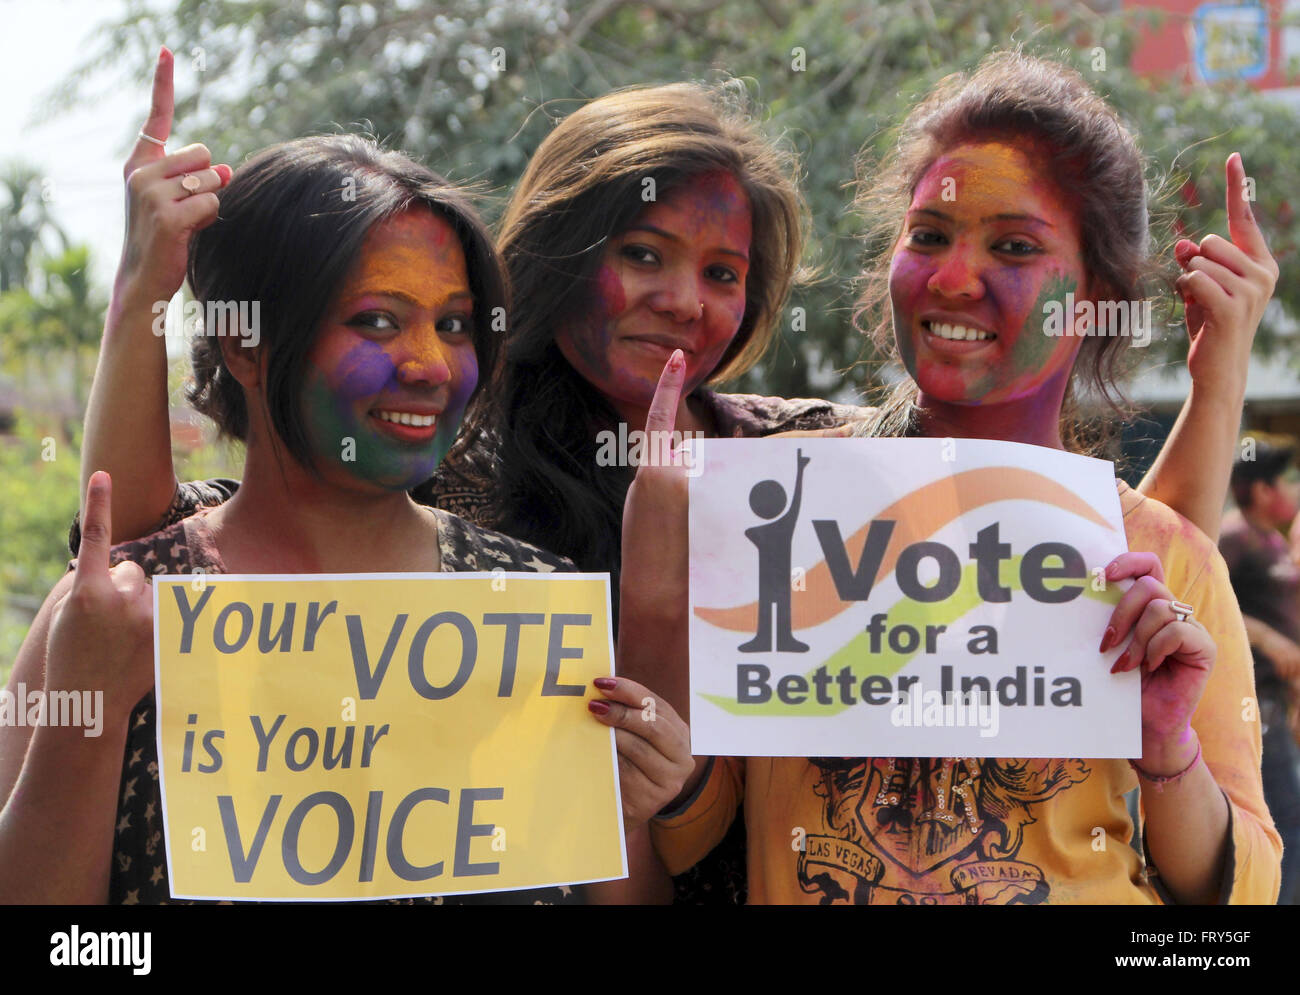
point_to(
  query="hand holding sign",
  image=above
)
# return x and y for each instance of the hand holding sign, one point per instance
(654, 747)
(1225, 286)
(168, 198)
(102, 630)
(1176, 656)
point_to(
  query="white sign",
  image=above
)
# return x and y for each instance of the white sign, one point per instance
(905, 597)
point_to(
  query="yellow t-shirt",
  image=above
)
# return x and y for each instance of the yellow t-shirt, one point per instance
(995, 831)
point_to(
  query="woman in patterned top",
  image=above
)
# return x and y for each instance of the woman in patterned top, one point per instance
(376, 300)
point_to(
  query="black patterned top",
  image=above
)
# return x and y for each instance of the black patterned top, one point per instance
(139, 872)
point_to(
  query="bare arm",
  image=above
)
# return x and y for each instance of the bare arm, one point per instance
(94, 633)
(1225, 286)
(1189, 853)
(60, 789)
(1200, 732)
(647, 882)
(1190, 474)
(127, 429)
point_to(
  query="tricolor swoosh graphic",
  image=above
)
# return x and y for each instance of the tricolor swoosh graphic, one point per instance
(919, 514)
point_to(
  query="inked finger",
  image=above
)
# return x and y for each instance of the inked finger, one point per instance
(662, 416)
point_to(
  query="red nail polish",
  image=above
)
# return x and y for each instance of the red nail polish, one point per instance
(598, 707)
(1107, 639)
(606, 683)
(1121, 663)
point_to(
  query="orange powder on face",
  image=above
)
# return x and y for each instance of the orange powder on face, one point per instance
(415, 257)
(1024, 166)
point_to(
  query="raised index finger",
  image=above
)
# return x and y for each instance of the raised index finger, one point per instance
(1242, 229)
(96, 529)
(159, 123)
(662, 415)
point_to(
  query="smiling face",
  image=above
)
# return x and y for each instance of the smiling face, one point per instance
(393, 363)
(690, 248)
(988, 241)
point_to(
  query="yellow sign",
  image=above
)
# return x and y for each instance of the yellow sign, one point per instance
(380, 736)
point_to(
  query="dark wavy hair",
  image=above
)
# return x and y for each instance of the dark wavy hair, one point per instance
(1094, 159)
(533, 434)
(291, 223)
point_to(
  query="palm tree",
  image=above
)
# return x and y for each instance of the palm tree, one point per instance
(25, 223)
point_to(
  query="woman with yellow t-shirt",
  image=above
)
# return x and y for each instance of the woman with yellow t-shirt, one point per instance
(1050, 195)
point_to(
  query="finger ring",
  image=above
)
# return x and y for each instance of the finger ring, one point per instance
(191, 183)
(1181, 611)
(149, 138)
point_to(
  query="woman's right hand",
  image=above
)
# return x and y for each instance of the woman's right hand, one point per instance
(101, 633)
(161, 214)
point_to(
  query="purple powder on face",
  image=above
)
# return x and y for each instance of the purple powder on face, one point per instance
(365, 371)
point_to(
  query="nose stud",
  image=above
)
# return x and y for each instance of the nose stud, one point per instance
(701, 314)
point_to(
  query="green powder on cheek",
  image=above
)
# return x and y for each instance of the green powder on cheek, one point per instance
(1033, 348)
(336, 439)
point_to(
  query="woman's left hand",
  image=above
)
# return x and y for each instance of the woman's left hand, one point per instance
(1175, 657)
(654, 747)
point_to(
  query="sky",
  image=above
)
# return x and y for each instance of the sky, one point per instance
(81, 152)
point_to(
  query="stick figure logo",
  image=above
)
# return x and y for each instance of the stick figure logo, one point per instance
(767, 500)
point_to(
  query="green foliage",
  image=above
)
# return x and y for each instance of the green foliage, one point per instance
(50, 336)
(39, 468)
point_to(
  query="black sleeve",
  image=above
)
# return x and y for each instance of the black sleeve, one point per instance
(189, 498)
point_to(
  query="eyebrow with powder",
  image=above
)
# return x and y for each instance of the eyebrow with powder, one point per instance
(402, 295)
(1031, 218)
(673, 238)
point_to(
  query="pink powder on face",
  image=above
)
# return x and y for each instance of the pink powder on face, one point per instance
(610, 300)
